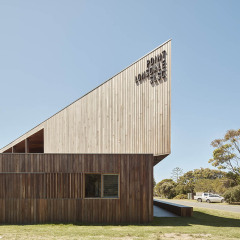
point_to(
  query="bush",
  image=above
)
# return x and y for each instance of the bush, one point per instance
(232, 194)
(181, 196)
(165, 188)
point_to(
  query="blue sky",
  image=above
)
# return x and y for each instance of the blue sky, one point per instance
(53, 52)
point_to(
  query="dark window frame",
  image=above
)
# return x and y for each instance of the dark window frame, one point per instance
(109, 174)
(102, 186)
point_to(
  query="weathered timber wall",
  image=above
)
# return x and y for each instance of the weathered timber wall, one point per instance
(119, 116)
(44, 188)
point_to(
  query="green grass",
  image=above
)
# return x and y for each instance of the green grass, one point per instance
(205, 224)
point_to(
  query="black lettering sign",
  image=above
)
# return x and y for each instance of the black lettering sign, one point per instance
(148, 63)
(156, 69)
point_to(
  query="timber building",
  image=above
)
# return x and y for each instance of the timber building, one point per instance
(92, 162)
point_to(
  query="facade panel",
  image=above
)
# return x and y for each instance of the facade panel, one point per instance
(120, 129)
(119, 116)
(43, 188)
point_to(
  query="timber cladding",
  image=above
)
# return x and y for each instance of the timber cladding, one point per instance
(43, 188)
(119, 116)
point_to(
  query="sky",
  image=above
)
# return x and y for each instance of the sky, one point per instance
(54, 51)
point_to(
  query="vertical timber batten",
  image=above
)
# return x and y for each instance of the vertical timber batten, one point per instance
(119, 116)
(50, 188)
(121, 127)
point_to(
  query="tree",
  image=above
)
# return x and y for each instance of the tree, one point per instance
(204, 185)
(232, 194)
(165, 188)
(186, 183)
(233, 178)
(207, 173)
(177, 172)
(154, 182)
(226, 154)
(211, 185)
(203, 179)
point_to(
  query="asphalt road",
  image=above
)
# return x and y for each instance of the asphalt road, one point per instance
(217, 206)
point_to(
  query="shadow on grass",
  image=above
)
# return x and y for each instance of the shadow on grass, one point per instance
(199, 218)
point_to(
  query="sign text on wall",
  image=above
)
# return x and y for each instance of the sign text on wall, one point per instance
(156, 70)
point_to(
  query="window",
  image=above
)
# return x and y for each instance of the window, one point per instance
(93, 185)
(110, 186)
(101, 185)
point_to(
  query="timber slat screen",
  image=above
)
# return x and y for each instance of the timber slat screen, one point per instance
(42, 188)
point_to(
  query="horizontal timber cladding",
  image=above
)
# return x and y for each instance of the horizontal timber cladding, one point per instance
(45, 188)
(119, 116)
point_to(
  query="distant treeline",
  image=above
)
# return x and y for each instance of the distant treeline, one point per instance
(226, 156)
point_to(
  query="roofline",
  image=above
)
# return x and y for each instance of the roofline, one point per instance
(89, 91)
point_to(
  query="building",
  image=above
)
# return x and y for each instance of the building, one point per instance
(93, 161)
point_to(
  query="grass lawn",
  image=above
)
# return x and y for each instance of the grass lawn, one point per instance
(205, 224)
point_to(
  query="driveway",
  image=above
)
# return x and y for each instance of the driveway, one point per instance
(217, 206)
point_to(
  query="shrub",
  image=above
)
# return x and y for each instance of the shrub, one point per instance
(232, 194)
(181, 196)
(165, 188)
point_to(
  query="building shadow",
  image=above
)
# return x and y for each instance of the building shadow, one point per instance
(199, 218)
